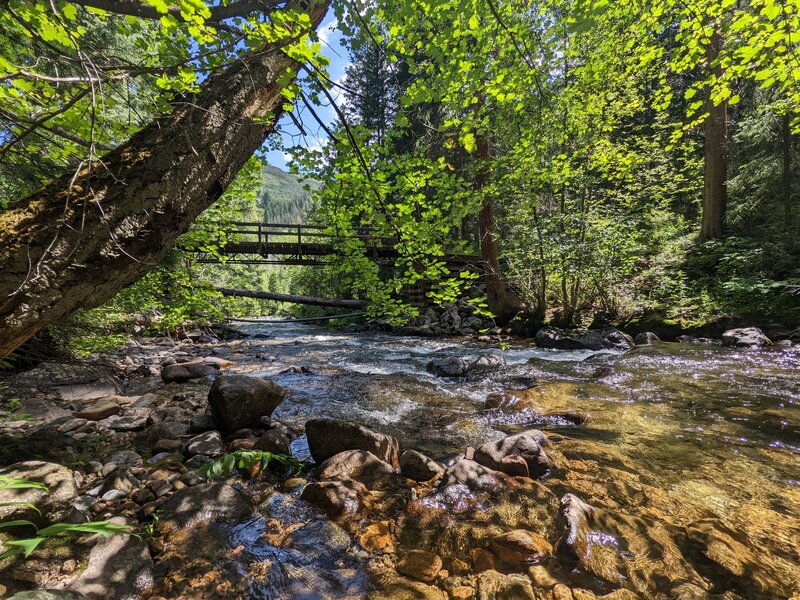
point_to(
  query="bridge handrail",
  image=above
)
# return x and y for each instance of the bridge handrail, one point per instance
(263, 231)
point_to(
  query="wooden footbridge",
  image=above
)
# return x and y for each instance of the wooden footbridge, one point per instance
(293, 244)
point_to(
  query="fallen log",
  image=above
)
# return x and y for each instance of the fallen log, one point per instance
(301, 320)
(309, 300)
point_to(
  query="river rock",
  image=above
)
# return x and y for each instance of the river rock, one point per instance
(452, 366)
(99, 409)
(460, 366)
(407, 589)
(419, 467)
(575, 516)
(487, 362)
(202, 504)
(274, 441)
(53, 503)
(521, 547)
(119, 567)
(239, 401)
(473, 475)
(202, 423)
(123, 458)
(505, 402)
(520, 454)
(208, 443)
(746, 336)
(181, 373)
(646, 338)
(420, 564)
(337, 499)
(493, 586)
(128, 422)
(327, 437)
(165, 430)
(583, 339)
(357, 465)
(121, 480)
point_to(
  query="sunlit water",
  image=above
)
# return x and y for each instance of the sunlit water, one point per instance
(716, 431)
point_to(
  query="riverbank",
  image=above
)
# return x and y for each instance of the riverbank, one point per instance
(687, 454)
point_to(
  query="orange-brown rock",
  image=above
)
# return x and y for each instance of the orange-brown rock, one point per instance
(420, 564)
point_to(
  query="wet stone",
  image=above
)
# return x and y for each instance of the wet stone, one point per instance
(357, 465)
(420, 564)
(419, 467)
(522, 454)
(327, 437)
(181, 373)
(274, 441)
(337, 499)
(493, 585)
(520, 546)
(238, 401)
(202, 423)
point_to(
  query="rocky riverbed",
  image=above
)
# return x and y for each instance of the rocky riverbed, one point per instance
(437, 468)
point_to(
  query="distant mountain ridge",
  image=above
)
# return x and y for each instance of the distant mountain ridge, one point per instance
(283, 198)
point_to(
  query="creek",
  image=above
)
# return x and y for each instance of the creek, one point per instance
(691, 453)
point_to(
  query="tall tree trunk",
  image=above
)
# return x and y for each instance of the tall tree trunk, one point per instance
(786, 192)
(504, 303)
(715, 157)
(76, 243)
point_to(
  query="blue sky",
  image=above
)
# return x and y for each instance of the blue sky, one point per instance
(331, 38)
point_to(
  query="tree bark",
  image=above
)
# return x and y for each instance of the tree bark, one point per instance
(786, 190)
(78, 241)
(504, 303)
(291, 298)
(715, 157)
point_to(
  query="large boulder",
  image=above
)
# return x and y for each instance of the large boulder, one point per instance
(607, 338)
(203, 504)
(53, 503)
(119, 567)
(327, 437)
(746, 336)
(358, 465)
(239, 401)
(522, 454)
(646, 338)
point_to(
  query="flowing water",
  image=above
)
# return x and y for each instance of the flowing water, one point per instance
(691, 451)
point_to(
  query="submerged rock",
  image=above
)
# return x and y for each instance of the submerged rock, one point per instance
(337, 499)
(746, 336)
(327, 437)
(239, 401)
(521, 546)
(493, 585)
(420, 564)
(575, 515)
(520, 454)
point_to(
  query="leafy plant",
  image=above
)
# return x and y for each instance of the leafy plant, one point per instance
(251, 461)
(26, 546)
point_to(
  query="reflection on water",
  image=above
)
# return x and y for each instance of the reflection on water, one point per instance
(693, 432)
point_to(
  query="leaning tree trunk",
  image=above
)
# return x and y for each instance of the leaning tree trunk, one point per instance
(76, 243)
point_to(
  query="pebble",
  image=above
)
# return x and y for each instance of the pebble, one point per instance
(92, 467)
(143, 496)
(112, 495)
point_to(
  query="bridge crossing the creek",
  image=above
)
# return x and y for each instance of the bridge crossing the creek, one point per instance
(297, 244)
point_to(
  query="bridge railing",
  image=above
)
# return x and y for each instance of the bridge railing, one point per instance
(264, 233)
